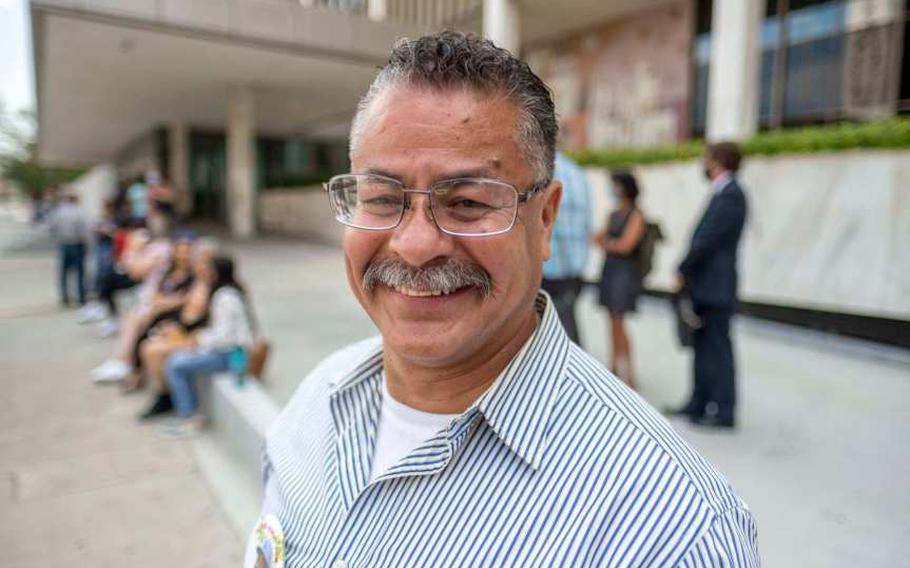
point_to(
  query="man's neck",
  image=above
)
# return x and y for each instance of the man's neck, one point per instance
(454, 388)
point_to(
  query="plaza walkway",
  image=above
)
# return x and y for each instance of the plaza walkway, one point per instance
(820, 454)
(83, 483)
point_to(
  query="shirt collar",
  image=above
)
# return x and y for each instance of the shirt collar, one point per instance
(721, 181)
(519, 403)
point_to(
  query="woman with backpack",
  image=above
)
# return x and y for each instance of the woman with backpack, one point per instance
(620, 282)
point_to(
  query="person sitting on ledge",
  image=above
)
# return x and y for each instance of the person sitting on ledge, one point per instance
(173, 331)
(228, 334)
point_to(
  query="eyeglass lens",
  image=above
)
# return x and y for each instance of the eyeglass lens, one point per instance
(459, 206)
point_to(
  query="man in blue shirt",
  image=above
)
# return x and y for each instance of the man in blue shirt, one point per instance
(562, 274)
(137, 197)
(473, 432)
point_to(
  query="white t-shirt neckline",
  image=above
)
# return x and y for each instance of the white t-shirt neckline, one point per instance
(401, 430)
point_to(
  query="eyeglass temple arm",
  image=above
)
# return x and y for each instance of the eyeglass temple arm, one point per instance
(524, 197)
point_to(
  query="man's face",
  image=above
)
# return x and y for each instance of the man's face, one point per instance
(420, 136)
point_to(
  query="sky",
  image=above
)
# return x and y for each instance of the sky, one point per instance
(16, 90)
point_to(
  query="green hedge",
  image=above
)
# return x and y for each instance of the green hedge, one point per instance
(829, 138)
(298, 181)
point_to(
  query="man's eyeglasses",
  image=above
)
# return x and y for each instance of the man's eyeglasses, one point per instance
(464, 207)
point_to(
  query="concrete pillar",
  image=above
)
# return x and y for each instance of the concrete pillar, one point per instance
(178, 166)
(502, 24)
(241, 162)
(733, 81)
(377, 10)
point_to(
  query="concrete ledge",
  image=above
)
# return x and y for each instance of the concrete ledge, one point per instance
(229, 455)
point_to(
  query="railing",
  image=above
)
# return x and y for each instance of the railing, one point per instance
(430, 14)
(352, 6)
(435, 14)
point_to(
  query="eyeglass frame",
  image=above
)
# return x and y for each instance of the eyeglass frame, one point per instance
(521, 197)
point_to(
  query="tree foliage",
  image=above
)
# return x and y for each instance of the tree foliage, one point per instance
(19, 164)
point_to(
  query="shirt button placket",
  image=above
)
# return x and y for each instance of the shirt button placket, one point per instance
(340, 564)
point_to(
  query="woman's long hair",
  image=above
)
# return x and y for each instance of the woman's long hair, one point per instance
(223, 266)
(184, 238)
(224, 276)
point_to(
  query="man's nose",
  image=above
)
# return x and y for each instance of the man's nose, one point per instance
(418, 240)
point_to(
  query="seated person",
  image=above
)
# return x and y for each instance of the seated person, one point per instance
(186, 317)
(168, 294)
(170, 335)
(142, 262)
(211, 349)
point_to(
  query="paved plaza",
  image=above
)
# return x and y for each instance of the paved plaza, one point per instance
(820, 455)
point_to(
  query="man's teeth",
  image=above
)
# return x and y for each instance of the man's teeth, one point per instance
(422, 293)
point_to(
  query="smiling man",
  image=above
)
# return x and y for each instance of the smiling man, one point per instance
(473, 432)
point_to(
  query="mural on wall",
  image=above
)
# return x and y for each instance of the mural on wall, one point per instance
(625, 82)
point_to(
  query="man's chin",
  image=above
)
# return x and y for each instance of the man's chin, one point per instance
(431, 348)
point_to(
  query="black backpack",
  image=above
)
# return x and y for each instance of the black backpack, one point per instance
(644, 254)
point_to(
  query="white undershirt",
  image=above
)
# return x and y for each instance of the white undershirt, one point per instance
(401, 430)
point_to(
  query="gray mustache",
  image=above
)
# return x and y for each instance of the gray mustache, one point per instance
(444, 277)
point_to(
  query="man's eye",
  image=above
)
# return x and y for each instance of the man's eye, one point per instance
(468, 204)
(381, 201)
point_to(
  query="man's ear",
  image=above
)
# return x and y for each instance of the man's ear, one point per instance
(552, 196)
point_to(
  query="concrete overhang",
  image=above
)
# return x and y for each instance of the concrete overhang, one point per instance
(106, 75)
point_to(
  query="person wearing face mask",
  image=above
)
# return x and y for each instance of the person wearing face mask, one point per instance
(708, 275)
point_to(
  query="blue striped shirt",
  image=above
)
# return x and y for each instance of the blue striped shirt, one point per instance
(572, 229)
(558, 463)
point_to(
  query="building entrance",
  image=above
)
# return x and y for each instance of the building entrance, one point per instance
(208, 179)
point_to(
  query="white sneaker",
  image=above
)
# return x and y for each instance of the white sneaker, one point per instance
(109, 328)
(91, 313)
(111, 371)
(180, 428)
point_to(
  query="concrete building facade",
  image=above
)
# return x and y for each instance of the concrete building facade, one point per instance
(226, 98)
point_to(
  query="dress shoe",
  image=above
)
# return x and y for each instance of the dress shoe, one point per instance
(713, 421)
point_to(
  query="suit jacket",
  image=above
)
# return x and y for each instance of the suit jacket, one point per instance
(710, 265)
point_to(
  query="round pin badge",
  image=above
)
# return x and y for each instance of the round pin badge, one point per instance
(269, 543)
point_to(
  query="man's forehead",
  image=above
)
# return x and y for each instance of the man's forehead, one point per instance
(463, 129)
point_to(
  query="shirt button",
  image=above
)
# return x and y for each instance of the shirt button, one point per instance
(340, 564)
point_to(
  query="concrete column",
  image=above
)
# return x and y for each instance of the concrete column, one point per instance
(178, 166)
(241, 162)
(733, 82)
(502, 24)
(377, 10)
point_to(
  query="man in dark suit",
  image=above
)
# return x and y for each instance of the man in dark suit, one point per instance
(708, 273)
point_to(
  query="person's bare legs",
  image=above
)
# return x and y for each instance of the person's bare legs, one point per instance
(154, 354)
(133, 325)
(614, 350)
(621, 358)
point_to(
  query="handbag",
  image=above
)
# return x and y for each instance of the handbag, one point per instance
(257, 356)
(687, 321)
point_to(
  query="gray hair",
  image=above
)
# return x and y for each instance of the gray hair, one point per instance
(453, 60)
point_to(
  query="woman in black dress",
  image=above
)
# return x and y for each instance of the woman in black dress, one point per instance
(621, 280)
